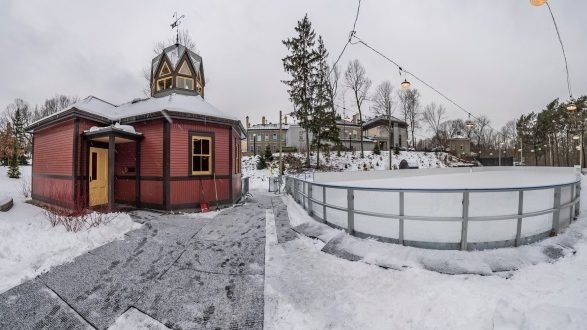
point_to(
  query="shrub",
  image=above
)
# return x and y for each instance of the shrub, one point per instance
(261, 162)
(396, 150)
(376, 149)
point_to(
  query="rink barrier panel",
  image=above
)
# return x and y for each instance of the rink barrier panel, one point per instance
(301, 189)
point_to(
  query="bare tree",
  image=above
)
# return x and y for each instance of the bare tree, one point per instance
(410, 108)
(434, 116)
(384, 105)
(356, 79)
(481, 124)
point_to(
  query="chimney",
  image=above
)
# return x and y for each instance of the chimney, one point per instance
(263, 120)
(248, 124)
(355, 119)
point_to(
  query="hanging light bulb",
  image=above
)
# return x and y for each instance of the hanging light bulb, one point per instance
(571, 107)
(469, 123)
(537, 2)
(406, 84)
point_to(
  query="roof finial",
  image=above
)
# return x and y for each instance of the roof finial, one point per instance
(175, 25)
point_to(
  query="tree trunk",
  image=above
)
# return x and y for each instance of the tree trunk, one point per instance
(318, 153)
(307, 147)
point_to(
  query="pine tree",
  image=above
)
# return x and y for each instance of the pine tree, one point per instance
(376, 149)
(323, 125)
(268, 155)
(13, 170)
(299, 64)
(261, 162)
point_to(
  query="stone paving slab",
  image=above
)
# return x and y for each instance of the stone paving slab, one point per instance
(190, 299)
(248, 224)
(32, 305)
(224, 257)
(185, 272)
(166, 233)
(94, 290)
(140, 257)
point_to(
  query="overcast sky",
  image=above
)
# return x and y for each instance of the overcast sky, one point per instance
(500, 58)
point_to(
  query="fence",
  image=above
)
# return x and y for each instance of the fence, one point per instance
(466, 219)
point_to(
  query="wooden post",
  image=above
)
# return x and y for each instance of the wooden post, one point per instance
(111, 155)
(138, 173)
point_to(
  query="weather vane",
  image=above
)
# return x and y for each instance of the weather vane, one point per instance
(175, 25)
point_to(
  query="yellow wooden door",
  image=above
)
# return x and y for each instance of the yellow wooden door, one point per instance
(98, 176)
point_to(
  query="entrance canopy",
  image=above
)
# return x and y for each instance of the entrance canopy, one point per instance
(121, 134)
(101, 191)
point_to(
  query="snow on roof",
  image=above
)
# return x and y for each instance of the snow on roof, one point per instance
(188, 104)
(269, 126)
(173, 54)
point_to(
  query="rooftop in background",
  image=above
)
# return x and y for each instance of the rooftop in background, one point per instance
(383, 121)
(268, 127)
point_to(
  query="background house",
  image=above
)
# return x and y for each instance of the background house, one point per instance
(377, 129)
(459, 146)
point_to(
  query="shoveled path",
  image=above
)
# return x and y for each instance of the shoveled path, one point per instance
(184, 272)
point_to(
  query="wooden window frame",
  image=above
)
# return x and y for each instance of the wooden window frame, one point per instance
(161, 74)
(205, 136)
(160, 79)
(185, 62)
(181, 87)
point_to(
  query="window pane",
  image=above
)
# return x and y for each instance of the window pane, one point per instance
(197, 146)
(196, 163)
(205, 163)
(94, 166)
(189, 84)
(205, 147)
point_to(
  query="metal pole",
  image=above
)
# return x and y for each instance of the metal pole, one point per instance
(389, 137)
(280, 154)
(557, 211)
(401, 220)
(465, 224)
(350, 211)
(254, 144)
(520, 212)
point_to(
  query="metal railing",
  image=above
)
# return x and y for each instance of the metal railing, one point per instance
(313, 196)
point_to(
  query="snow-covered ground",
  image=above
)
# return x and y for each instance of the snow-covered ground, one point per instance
(309, 289)
(29, 245)
(348, 161)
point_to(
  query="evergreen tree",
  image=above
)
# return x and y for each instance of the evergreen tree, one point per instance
(268, 155)
(299, 64)
(376, 149)
(396, 150)
(13, 170)
(323, 124)
(261, 162)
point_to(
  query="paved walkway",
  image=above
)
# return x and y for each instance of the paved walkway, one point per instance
(185, 273)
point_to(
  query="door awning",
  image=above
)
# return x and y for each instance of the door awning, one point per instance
(121, 133)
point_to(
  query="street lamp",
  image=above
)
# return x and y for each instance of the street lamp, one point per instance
(350, 135)
(254, 144)
(571, 107)
(405, 85)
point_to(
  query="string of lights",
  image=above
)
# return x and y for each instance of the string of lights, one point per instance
(351, 34)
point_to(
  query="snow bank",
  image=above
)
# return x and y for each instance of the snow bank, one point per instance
(309, 289)
(29, 245)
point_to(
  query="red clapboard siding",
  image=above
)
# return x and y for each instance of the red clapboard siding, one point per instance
(190, 191)
(124, 190)
(152, 192)
(53, 150)
(151, 147)
(125, 158)
(51, 189)
(180, 146)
